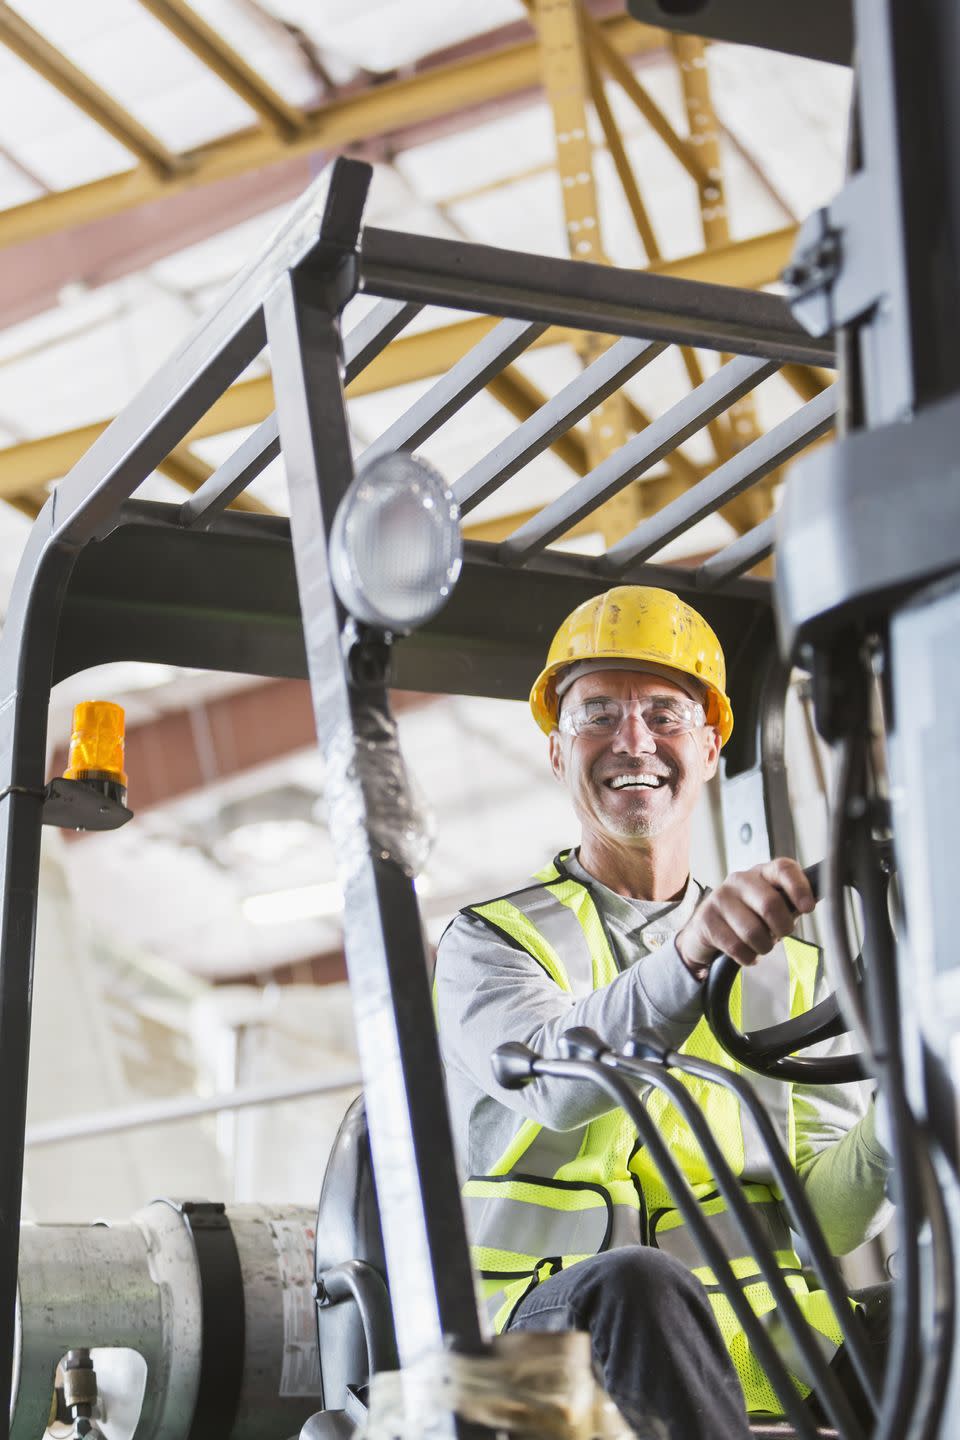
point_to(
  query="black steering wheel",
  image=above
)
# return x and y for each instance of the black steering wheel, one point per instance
(770, 1052)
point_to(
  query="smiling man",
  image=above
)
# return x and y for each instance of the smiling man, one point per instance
(572, 1225)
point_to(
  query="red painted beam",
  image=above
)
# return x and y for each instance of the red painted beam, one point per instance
(35, 273)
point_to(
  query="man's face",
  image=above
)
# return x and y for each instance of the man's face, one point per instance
(634, 784)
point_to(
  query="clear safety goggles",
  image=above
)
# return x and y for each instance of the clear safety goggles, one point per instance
(665, 715)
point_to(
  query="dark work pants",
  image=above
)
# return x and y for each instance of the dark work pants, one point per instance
(655, 1342)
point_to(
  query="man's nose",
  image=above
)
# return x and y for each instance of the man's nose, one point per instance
(633, 737)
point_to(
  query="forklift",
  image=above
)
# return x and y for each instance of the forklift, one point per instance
(865, 599)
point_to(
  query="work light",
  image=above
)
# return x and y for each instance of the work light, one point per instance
(395, 546)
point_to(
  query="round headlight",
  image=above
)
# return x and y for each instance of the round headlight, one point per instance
(395, 546)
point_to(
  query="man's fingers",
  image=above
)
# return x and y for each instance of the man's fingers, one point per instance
(726, 928)
(747, 915)
(751, 935)
(705, 937)
(769, 902)
(788, 877)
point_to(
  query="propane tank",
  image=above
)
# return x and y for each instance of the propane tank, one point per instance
(199, 1321)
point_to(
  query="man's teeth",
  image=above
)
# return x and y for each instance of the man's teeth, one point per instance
(620, 782)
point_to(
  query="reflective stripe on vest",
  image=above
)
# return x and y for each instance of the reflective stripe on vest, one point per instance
(559, 926)
(585, 1230)
(670, 1234)
(553, 1199)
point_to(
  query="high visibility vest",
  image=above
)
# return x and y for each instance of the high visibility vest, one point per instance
(555, 1198)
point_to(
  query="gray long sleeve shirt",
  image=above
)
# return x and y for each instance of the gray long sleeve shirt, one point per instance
(489, 992)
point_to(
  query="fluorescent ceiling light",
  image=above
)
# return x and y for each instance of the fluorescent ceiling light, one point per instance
(322, 901)
(307, 902)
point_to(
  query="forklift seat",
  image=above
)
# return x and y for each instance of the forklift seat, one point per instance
(354, 1321)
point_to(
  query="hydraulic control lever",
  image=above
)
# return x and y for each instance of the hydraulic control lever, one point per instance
(645, 1058)
(770, 1052)
(516, 1065)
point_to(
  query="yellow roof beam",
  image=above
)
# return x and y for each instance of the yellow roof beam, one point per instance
(229, 66)
(159, 164)
(341, 121)
(612, 61)
(610, 58)
(631, 190)
(420, 356)
(621, 161)
(807, 380)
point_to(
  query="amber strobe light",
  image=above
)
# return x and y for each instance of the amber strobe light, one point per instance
(96, 747)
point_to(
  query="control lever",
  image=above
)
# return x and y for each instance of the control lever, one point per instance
(516, 1065)
(644, 1051)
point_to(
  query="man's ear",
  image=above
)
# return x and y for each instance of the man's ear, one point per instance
(711, 752)
(556, 754)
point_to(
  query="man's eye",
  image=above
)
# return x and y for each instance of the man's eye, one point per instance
(662, 719)
(600, 720)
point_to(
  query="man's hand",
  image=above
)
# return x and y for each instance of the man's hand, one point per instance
(745, 916)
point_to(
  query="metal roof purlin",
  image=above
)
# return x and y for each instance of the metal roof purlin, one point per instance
(350, 117)
(229, 66)
(37, 52)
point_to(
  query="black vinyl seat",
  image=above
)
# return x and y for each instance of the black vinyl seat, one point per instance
(354, 1320)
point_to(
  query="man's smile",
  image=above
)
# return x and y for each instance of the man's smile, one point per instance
(635, 780)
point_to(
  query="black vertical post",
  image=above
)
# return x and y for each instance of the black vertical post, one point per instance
(431, 1278)
(909, 131)
(25, 667)
(906, 353)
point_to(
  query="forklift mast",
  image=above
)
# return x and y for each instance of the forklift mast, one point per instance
(866, 599)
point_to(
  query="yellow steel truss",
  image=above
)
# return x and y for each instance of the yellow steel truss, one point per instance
(33, 463)
(575, 55)
(210, 48)
(157, 162)
(342, 120)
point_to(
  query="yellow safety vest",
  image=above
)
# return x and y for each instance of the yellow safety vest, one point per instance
(553, 1199)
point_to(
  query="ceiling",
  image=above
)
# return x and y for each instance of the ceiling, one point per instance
(149, 147)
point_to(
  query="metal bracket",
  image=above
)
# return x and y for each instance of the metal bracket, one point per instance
(222, 1318)
(836, 274)
(867, 519)
(78, 804)
(82, 805)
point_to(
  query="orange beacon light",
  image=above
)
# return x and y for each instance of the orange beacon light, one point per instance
(96, 748)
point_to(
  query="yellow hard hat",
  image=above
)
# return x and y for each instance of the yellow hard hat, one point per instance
(637, 623)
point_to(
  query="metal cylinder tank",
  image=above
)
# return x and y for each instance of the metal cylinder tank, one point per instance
(199, 1318)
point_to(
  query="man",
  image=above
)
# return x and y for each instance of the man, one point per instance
(572, 1225)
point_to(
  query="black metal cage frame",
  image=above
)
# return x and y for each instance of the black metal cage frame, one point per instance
(108, 577)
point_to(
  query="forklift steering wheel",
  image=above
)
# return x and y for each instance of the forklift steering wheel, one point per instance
(770, 1052)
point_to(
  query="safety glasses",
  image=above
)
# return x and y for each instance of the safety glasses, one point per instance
(662, 715)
